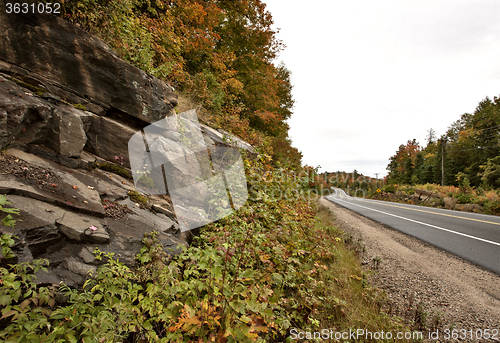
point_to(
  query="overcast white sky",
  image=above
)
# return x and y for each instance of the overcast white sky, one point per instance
(370, 75)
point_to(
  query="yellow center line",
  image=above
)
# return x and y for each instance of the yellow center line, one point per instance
(441, 214)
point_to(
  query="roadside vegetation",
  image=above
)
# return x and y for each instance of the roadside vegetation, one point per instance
(274, 266)
(451, 197)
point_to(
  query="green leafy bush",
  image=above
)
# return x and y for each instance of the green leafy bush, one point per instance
(7, 220)
(464, 198)
(389, 188)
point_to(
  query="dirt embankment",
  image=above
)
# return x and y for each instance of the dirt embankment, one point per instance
(429, 288)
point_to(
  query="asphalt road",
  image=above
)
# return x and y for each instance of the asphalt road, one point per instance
(472, 236)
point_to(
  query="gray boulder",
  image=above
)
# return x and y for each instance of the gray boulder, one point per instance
(67, 136)
(450, 202)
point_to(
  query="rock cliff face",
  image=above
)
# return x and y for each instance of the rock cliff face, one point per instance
(69, 104)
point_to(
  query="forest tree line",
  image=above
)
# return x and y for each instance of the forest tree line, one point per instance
(469, 152)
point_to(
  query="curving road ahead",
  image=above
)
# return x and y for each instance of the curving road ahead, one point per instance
(474, 237)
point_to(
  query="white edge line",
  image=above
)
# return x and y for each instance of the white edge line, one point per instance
(433, 226)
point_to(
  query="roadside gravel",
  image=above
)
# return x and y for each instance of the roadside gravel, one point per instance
(429, 288)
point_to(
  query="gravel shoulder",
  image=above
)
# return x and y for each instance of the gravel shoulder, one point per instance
(422, 281)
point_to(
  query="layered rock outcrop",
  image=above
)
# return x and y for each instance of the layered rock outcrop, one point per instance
(51, 53)
(68, 105)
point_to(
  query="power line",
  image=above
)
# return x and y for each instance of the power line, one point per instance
(478, 130)
(472, 131)
(486, 147)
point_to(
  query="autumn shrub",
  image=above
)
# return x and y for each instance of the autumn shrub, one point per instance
(427, 187)
(407, 189)
(479, 199)
(492, 207)
(479, 191)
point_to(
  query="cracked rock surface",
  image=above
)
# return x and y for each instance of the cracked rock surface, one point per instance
(66, 213)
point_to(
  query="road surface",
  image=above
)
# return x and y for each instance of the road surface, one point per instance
(472, 236)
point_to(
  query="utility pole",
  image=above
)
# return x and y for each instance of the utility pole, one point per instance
(376, 175)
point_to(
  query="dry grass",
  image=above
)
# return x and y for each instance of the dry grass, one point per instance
(350, 302)
(186, 103)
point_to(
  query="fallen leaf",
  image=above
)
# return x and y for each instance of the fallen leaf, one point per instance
(53, 184)
(90, 187)
(75, 187)
(85, 202)
(92, 227)
(137, 204)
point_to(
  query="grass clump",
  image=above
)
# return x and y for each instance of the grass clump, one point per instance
(138, 198)
(37, 90)
(80, 107)
(113, 168)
